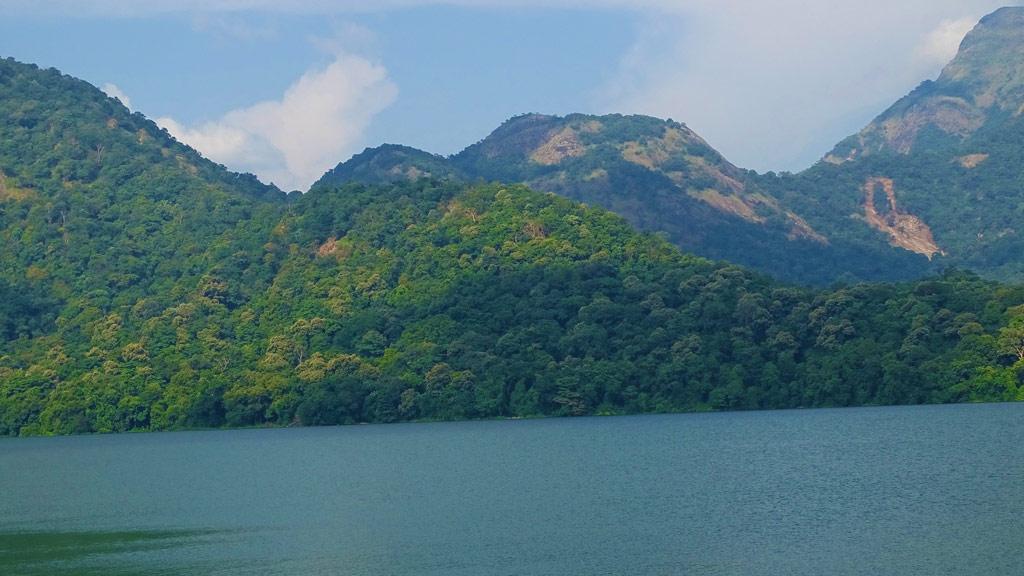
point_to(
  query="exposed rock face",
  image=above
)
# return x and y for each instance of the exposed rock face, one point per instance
(954, 148)
(564, 144)
(904, 229)
(658, 174)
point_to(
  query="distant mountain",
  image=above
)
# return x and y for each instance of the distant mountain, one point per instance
(934, 182)
(941, 172)
(982, 87)
(143, 287)
(659, 175)
(388, 164)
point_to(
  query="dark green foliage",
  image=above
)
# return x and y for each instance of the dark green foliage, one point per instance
(653, 173)
(143, 288)
(954, 148)
(387, 164)
(428, 301)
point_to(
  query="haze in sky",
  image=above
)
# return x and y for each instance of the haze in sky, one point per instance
(287, 90)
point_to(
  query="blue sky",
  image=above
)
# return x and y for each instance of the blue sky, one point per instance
(288, 89)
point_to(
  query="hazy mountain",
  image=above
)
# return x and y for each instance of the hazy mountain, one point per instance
(935, 181)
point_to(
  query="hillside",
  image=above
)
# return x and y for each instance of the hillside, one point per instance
(938, 173)
(933, 182)
(97, 201)
(417, 301)
(388, 164)
(661, 177)
(145, 288)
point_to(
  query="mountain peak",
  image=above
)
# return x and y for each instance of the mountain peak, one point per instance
(387, 164)
(989, 67)
(1011, 17)
(984, 83)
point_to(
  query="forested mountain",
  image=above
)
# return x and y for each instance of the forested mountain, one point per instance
(98, 205)
(391, 163)
(933, 182)
(660, 176)
(143, 287)
(941, 172)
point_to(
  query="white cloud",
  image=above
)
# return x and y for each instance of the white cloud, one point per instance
(292, 141)
(941, 44)
(114, 92)
(774, 84)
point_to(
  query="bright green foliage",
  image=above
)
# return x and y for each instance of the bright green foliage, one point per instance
(953, 149)
(661, 177)
(144, 288)
(426, 301)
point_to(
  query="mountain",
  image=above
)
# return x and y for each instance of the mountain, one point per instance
(145, 288)
(938, 173)
(388, 164)
(982, 86)
(96, 199)
(660, 176)
(933, 182)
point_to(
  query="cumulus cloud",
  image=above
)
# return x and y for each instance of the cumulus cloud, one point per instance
(114, 92)
(292, 141)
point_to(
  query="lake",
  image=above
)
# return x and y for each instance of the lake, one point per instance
(925, 490)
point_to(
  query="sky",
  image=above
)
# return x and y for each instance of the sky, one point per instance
(287, 89)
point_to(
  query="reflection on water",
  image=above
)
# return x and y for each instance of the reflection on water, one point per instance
(96, 553)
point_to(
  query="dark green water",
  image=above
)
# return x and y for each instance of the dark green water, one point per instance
(880, 491)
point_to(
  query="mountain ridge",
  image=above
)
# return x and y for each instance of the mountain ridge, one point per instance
(950, 151)
(952, 143)
(144, 290)
(662, 177)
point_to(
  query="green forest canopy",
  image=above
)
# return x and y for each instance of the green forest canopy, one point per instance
(435, 301)
(143, 287)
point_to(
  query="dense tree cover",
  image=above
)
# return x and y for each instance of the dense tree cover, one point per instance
(974, 210)
(437, 301)
(662, 178)
(953, 147)
(390, 163)
(144, 288)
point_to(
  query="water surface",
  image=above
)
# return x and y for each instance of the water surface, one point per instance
(898, 491)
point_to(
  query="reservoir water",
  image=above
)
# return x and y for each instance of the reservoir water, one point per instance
(897, 491)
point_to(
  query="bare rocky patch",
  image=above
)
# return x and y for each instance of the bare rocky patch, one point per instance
(904, 229)
(564, 144)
